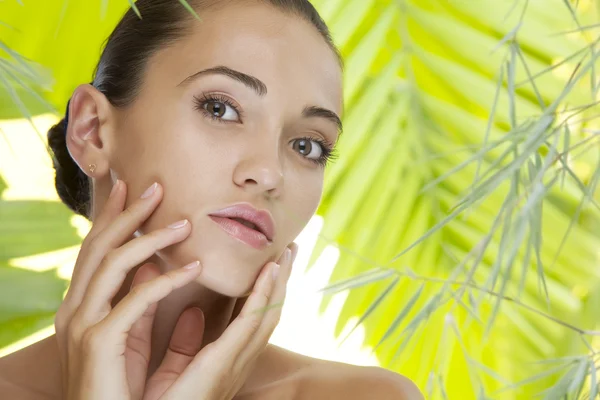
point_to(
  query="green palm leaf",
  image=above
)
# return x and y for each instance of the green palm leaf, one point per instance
(61, 36)
(447, 90)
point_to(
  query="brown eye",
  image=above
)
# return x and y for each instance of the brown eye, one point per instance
(215, 108)
(308, 148)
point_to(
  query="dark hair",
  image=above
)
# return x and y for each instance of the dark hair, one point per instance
(120, 70)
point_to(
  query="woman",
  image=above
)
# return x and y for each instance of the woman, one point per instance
(225, 124)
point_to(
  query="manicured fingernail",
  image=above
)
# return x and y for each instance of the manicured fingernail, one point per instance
(193, 265)
(114, 188)
(178, 224)
(150, 191)
(275, 271)
(287, 255)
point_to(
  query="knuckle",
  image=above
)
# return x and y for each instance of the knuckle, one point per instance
(142, 293)
(90, 237)
(170, 278)
(160, 238)
(253, 322)
(130, 213)
(139, 290)
(157, 241)
(260, 296)
(62, 317)
(87, 241)
(110, 258)
(93, 242)
(225, 376)
(75, 333)
(91, 339)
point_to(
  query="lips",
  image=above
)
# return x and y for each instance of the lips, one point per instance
(246, 223)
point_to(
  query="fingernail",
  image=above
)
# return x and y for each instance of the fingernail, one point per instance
(294, 252)
(150, 191)
(114, 188)
(287, 255)
(193, 265)
(178, 224)
(275, 271)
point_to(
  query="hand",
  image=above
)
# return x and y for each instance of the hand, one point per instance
(99, 344)
(105, 351)
(220, 369)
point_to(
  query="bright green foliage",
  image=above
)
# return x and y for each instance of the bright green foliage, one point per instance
(467, 175)
(60, 40)
(421, 84)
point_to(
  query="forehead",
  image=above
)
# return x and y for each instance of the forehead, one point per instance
(284, 51)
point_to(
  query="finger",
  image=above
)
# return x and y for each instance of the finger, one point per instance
(294, 248)
(237, 308)
(240, 302)
(138, 347)
(239, 333)
(112, 208)
(133, 306)
(119, 229)
(221, 355)
(185, 343)
(272, 313)
(81, 276)
(109, 277)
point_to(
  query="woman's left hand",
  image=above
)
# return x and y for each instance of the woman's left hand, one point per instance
(220, 369)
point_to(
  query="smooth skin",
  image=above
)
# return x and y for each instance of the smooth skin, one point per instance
(105, 350)
(201, 164)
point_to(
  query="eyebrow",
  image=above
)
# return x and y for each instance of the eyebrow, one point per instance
(261, 89)
(320, 112)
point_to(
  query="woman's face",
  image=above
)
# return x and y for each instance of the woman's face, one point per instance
(232, 114)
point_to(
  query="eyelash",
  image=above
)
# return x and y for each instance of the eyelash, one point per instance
(200, 102)
(328, 151)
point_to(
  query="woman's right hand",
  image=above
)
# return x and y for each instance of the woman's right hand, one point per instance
(104, 350)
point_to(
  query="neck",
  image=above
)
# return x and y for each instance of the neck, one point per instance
(219, 311)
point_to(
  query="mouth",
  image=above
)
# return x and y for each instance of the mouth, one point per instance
(247, 224)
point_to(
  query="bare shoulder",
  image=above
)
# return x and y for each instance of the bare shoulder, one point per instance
(31, 373)
(333, 381)
(300, 377)
(9, 390)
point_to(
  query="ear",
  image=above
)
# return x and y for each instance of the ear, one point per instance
(89, 130)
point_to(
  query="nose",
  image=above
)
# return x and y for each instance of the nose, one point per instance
(260, 170)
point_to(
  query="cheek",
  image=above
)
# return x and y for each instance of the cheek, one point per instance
(304, 200)
(174, 158)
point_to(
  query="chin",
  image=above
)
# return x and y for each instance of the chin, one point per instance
(228, 267)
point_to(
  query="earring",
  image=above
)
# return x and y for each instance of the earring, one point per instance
(92, 168)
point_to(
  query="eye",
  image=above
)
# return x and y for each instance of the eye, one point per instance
(217, 107)
(308, 148)
(221, 110)
(316, 150)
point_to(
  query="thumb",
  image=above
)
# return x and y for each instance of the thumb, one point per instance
(185, 343)
(137, 351)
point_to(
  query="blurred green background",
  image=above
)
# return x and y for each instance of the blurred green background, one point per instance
(464, 205)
